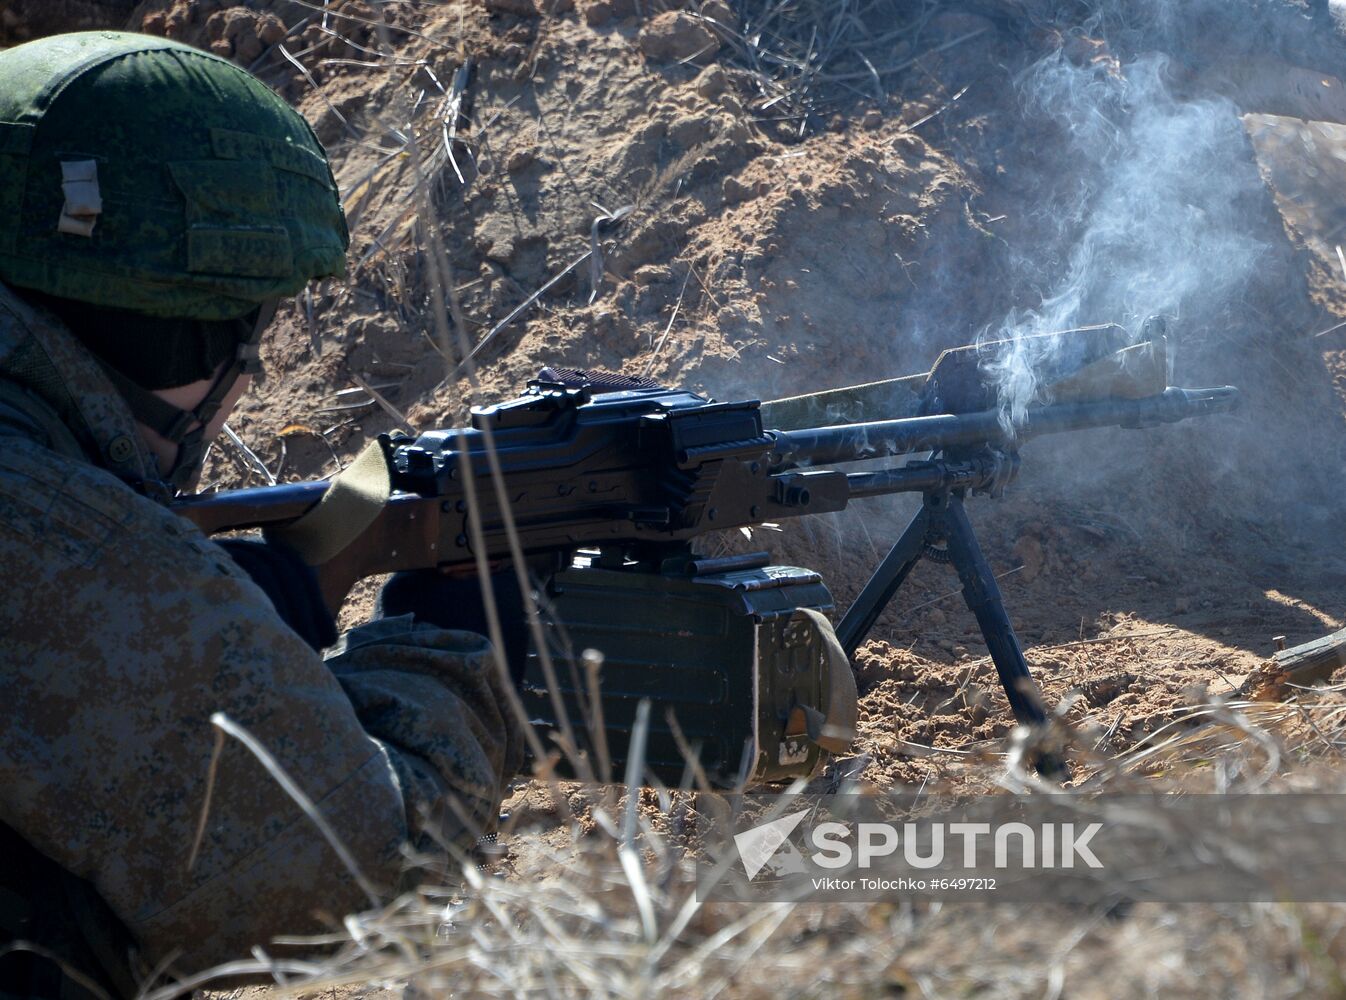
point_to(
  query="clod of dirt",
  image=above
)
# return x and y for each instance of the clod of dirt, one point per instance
(519, 158)
(599, 12)
(735, 190)
(676, 35)
(1106, 689)
(519, 8)
(242, 34)
(721, 12)
(879, 661)
(711, 83)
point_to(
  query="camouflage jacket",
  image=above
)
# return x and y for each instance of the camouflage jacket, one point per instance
(122, 629)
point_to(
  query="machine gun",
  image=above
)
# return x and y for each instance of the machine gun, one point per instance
(610, 481)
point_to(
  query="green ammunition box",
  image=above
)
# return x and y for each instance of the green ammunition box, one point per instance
(727, 654)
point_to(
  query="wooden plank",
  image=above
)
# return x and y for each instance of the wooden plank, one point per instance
(1313, 661)
(1304, 665)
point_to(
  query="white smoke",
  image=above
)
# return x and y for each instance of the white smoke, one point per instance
(1154, 213)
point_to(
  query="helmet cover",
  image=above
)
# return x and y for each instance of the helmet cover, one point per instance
(139, 173)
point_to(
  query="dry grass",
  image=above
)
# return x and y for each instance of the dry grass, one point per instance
(805, 58)
(606, 907)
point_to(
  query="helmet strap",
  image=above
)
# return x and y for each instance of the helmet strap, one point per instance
(187, 428)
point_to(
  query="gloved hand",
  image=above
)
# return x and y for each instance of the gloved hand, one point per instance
(455, 602)
(292, 585)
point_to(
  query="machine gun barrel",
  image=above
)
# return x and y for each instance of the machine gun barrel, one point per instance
(886, 438)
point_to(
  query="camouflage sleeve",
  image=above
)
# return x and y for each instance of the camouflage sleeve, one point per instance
(393, 671)
(124, 629)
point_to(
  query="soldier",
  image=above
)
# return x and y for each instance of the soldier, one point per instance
(155, 202)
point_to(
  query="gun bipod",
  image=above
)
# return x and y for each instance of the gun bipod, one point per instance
(942, 518)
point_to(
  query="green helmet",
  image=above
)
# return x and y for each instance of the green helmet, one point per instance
(141, 174)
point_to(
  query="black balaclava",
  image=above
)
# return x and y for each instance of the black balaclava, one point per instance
(141, 353)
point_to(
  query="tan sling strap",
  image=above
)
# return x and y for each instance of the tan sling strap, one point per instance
(835, 727)
(350, 505)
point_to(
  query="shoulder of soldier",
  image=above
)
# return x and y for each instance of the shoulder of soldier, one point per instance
(58, 513)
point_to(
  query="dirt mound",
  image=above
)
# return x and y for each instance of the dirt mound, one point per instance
(746, 212)
(621, 208)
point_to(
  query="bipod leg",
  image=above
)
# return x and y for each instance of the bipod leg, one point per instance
(982, 595)
(896, 565)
